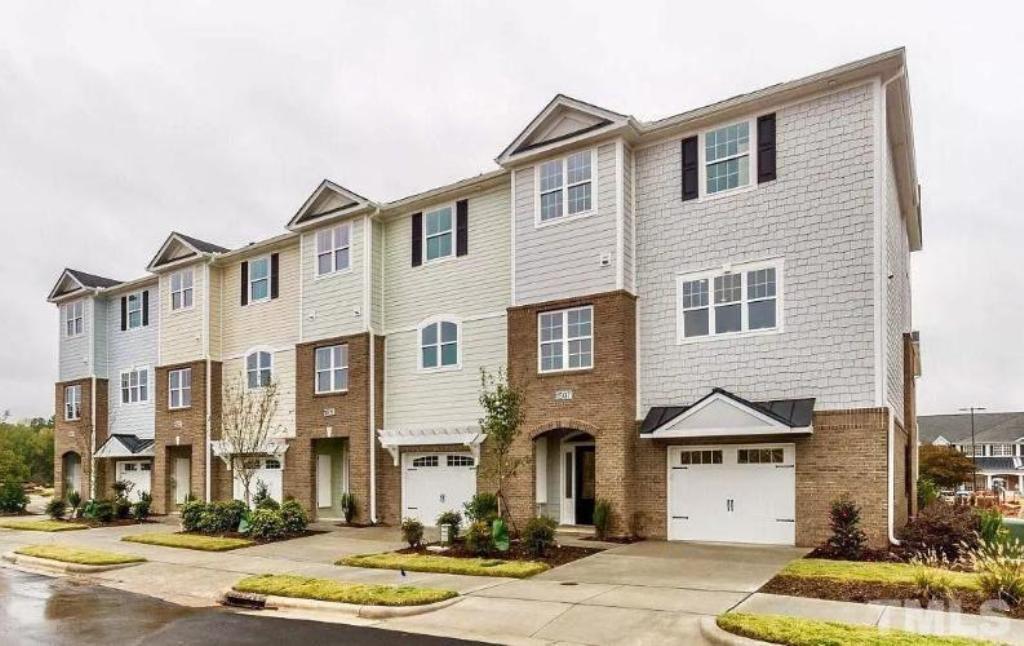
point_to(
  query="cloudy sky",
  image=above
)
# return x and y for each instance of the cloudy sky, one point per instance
(122, 120)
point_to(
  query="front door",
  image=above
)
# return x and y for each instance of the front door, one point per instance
(585, 484)
(182, 476)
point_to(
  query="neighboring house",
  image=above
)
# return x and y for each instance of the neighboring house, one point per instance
(708, 316)
(997, 445)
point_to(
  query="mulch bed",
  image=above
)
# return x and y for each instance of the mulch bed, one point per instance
(303, 534)
(866, 592)
(621, 540)
(874, 556)
(356, 525)
(117, 522)
(555, 556)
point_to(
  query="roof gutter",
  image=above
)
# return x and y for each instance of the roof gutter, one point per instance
(371, 339)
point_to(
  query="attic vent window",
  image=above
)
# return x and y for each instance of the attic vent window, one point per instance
(565, 186)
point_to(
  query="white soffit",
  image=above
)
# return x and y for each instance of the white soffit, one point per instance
(722, 416)
(394, 439)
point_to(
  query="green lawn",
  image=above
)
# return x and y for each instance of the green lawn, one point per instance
(301, 587)
(190, 541)
(806, 632)
(41, 525)
(863, 571)
(446, 564)
(81, 556)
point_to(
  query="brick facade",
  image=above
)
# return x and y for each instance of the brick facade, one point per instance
(76, 435)
(603, 400)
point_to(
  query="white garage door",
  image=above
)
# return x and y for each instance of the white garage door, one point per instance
(268, 472)
(436, 482)
(138, 473)
(733, 493)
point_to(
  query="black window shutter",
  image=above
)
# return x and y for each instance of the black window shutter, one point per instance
(245, 283)
(417, 239)
(690, 170)
(462, 227)
(145, 307)
(275, 264)
(766, 148)
(124, 313)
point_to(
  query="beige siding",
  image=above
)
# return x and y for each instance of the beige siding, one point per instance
(216, 307)
(271, 323)
(377, 278)
(182, 331)
(283, 368)
(332, 305)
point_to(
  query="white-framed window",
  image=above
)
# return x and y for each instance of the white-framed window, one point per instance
(130, 466)
(726, 157)
(181, 289)
(333, 248)
(459, 460)
(978, 450)
(439, 233)
(134, 309)
(135, 386)
(179, 384)
(701, 456)
(425, 461)
(259, 368)
(259, 279)
(331, 369)
(1001, 450)
(146, 466)
(440, 344)
(73, 402)
(742, 299)
(271, 463)
(566, 339)
(74, 318)
(760, 456)
(565, 186)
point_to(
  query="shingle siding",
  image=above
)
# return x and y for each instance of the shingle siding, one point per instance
(628, 239)
(564, 259)
(818, 216)
(897, 282)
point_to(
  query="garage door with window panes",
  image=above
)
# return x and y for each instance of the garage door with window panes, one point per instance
(433, 483)
(732, 493)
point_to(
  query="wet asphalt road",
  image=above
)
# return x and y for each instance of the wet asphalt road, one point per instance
(42, 610)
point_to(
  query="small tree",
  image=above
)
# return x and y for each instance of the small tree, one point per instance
(503, 416)
(847, 540)
(945, 465)
(247, 422)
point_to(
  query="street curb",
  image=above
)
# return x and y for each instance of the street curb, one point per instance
(364, 612)
(711, 632)
(61, 567)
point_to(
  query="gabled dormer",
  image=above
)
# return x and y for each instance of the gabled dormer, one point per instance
(330, 201)
(179, 249)
(81, 323)
(73, 283)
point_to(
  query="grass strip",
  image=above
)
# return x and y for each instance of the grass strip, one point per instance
(872, 572)
(190, 541)
(78, 555)
(41, 525)
(446, 564)
(285, 585)
(793, 631)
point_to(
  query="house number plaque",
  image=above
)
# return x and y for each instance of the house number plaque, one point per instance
(563, 395)
(328, 412)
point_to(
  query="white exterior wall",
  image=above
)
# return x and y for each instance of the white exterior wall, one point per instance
(128, 350)
(563, 259)
(332, 305)
(898, 311)
(473, 288)
(628, 223)
(818, 215)
(74, 353)
(182, 332)
(102, 340)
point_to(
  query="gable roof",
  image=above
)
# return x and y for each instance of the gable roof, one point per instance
(562, 120)
(123, 445)
(328, 200)
(956, 428)
(192, 247)
(74, 280)
(767, 417)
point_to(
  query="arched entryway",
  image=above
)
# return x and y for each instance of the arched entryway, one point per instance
(71, 467)
(566, 475)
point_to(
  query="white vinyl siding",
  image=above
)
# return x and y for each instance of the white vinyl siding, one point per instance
(134, 310)
(75, 352)
(332, 304)
(127, 352)
(897, 290)
(745, 299)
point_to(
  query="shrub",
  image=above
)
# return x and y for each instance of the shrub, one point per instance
(13, 498)
(499, 535)
(927, 492)
(267, 524)
(990, 526)
(412, 532)
(478, 537)
(482, 507)
(191, 515)
(1000, 568)
(122, 488)
(348, 506)
(103, 511)
(140, 510)
(602, 518)
(929, 582)
(56, 509)
(946, 529)
(221, 517)
(75, 500)
(539, 535)
(452, 518)
(294, 517)
(847, 540)
(261, 499)
(122, 508)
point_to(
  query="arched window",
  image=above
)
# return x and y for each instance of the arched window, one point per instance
(258, 368)
(440, 344)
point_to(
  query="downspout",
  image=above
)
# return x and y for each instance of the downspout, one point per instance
(92, 436)
(207, 462)
(368, 313)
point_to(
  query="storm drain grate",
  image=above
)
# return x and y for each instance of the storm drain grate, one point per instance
(245, 600)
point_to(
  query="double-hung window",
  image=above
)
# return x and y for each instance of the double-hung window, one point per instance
(259, 279)
(134, 310)
(439, 233)
(1001, 450)
(743, 299)
(332, 249)
(439, 345)
(258, 369)
(181, 290)
(73, 318)
(135, 386)
(332, 369)
(179, 384)
(73, 402)
(566, 339)
(727, 157)
(565, 186)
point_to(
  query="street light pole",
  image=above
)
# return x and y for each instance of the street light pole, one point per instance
(974, 448)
